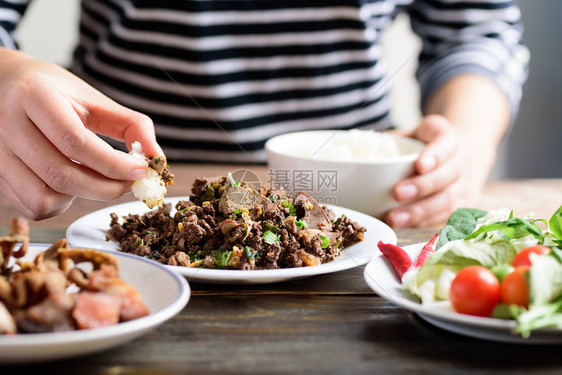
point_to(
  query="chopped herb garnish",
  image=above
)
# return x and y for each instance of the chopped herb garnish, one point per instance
(291, 207)
(209, 193)
(138, 243)
(301, 224)
(231, 180)
(237, 211)
(193, 256)
(220, 258)
(339, 221)
(268, 226)
(270, 238)
(250, 253)
(325, 241)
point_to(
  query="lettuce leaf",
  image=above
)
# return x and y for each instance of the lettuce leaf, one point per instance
(461, 223)
(545, 280)
(430, 282)
(549, 315)
(555, 225)
(465, 253)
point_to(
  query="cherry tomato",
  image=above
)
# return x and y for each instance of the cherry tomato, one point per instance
(522, 258)
(515, 288)
(475, 291)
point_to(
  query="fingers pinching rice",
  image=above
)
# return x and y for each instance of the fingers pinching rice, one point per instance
(152, 188)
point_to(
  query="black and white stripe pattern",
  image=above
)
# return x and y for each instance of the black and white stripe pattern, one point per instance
(480, 37)
(221, 77)
(11, 12)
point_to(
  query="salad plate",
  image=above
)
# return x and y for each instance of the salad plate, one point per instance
(381, 278)
(92, 230)
(164, 293)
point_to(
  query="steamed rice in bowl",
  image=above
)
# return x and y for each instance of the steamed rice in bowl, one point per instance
(365, 164)
(353, 145)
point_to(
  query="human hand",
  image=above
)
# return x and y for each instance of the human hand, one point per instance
(449, 173)
(49, 119)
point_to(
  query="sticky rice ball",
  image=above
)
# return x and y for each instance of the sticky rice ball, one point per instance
(151, 189)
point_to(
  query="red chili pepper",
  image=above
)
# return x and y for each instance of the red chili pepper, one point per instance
(397, 256)
(427, 250)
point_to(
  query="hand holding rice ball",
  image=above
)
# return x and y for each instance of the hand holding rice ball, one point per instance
(152, 188)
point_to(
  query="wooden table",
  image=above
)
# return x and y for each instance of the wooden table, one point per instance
(331, 324)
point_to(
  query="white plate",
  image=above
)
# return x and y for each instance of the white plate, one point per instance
(91, 231)
(382, 279)
(164, 293)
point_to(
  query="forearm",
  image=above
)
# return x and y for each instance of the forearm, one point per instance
(475, 105)
(477, 108)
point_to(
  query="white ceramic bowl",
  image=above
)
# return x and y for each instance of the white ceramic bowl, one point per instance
(360, 185)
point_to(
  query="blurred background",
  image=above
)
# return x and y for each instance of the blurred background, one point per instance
(532, 149)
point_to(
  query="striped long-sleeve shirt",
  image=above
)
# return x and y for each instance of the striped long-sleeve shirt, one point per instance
(220, 77)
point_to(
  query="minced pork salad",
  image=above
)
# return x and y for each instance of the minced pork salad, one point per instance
(228, 225)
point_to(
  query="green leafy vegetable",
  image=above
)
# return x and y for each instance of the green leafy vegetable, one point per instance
(291, 207)
(301, 224)
(549, 315)
(460, 224)
(512, 228)
(545, 280)
(325, 241)
(555, 225)
(501, 271)
(209, 193)
(556, 252)
(267, 226)
(439, 276)
(466, 253)
(494, 246)
(193, 256)
(231, 180)
(250, 253)
(338, 221)
(503, 311)
(270, 238)
(220, 257)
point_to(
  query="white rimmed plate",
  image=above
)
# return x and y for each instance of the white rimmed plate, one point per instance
(164, 293)
(381, 278)
(91, 231)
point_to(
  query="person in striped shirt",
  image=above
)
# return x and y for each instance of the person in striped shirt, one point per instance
(213, 80)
